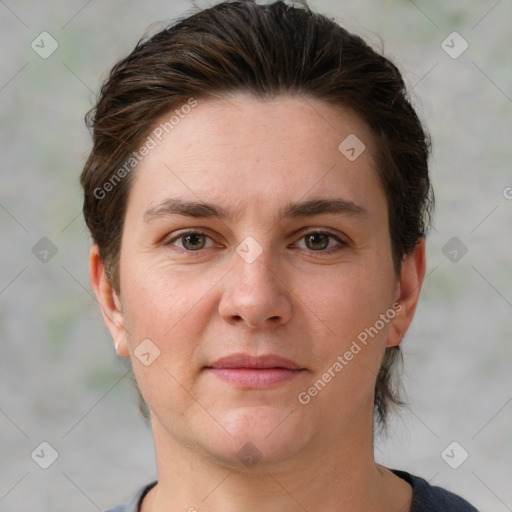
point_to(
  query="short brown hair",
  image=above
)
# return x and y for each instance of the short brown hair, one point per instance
(265, 51)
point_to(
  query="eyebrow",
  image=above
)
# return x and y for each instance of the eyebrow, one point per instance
(175, 206)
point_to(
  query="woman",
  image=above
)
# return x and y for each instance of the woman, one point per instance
(258, 197)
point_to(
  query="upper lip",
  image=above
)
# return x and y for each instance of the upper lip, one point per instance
(248, 361)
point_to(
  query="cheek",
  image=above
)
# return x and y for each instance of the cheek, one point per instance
(348, 308)
(163, 311)
(159, 299)
(348, 300)
(165, 308)
(350, 350)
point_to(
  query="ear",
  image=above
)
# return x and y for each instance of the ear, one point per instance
(408, 292)
(110, 303)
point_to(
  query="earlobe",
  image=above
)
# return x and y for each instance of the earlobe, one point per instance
(110, 303)
(408, 291)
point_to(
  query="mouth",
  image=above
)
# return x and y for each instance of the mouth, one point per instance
(256, 372)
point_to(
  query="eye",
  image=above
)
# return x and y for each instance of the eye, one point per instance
(317, 241)
(190, 240)
(320, 241)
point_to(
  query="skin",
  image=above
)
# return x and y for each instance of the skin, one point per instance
(302, 298)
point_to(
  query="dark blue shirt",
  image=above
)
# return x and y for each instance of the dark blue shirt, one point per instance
(425, 497)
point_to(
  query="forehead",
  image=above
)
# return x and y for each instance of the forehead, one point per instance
(240, 151)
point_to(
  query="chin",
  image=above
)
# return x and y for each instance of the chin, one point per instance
(258, 436)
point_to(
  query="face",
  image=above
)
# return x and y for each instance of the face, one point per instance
(283, 273)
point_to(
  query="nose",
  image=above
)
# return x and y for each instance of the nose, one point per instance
(255, 294)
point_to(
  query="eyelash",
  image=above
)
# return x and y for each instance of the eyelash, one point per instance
(183, 234)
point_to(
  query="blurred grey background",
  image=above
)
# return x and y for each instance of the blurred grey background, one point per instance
(60, 381)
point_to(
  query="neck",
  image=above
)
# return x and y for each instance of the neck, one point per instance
(328, 475)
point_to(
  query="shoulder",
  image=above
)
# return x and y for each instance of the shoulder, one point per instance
(426, 497)
(431, 498)
(133, 504)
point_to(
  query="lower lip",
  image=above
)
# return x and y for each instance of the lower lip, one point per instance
(255, 378)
